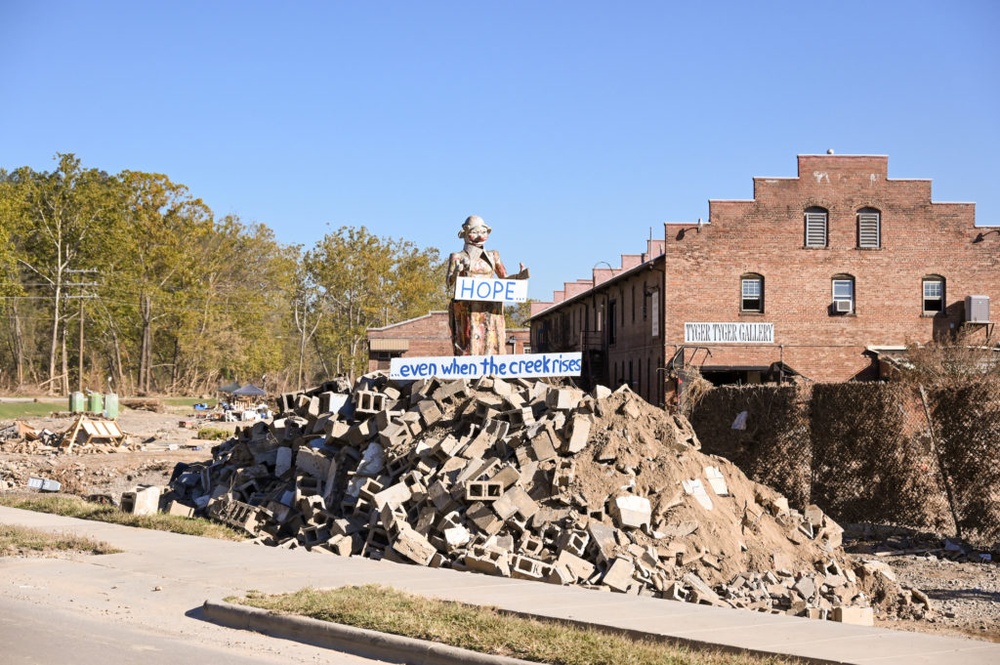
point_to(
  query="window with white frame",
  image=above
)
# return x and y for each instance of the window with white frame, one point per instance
(843, 294)
(869, 228)
(933, 286)
(752, 293)
(816, 227)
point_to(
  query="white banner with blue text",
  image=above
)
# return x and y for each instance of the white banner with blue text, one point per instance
(525, 365)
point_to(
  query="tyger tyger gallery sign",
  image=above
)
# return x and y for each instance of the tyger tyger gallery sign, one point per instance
(729, 333)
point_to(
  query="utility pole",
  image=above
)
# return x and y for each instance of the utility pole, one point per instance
(83, 296)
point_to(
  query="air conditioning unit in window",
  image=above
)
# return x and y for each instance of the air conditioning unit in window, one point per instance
(977, 309)
(842, 306)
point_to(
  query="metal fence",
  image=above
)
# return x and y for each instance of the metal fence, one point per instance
(887, 453)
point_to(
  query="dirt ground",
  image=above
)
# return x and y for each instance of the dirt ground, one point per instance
(964, 595)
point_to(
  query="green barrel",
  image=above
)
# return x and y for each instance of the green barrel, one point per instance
(95, 403)
(76, 402)
(111, 405)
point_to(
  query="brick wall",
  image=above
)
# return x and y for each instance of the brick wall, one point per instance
(426, 335)
(628, 350)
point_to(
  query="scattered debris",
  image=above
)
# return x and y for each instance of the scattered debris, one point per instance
(86, 434)
(524, 479)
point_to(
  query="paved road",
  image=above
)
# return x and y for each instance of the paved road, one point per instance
(32, 634)
(159, 579)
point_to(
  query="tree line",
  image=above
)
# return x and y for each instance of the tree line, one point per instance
(128, 283)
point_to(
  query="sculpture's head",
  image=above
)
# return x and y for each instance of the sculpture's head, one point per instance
(475, 231)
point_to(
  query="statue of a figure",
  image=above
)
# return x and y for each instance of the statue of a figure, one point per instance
(477, 328)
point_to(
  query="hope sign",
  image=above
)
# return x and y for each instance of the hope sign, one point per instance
(491, 290)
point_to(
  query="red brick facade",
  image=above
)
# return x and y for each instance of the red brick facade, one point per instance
(426, 335)
(879, 249)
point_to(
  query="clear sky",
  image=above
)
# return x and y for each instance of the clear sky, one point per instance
(575, 128)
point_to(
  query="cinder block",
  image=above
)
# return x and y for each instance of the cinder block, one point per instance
(602, 541)
(526, 568)
(180, 510)
(507, 475)
(394, 434)
(483, 490)
(429, 411)
(861, 616)
(394, 495)
(577, 434)
(619, 575)
(456, 537)
(368, 402)
(413, 546)
(488, 560)
(563, 475)
(631, 511)
(580, 568)
(283, 462)
(312, 462)
(520, 418)
(563, 398)
(573, 541)
(487, 408)
(145, 500)
(341, 545)
(514, 501)
(544, 444)
(414, 482)
(484, 518)
(700, 592)
(314, 535)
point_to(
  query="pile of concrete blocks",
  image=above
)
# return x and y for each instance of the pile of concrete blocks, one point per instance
(479, 476)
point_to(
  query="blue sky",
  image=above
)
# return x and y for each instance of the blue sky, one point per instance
(574, 128)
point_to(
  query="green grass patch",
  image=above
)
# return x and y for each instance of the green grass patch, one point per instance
(486, 629)
(186, 402)
(25, 541)
(40, 409)
(72, 506)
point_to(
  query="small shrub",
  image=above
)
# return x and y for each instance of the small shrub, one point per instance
(213, 434)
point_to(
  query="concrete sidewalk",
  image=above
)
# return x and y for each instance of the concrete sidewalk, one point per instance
(168, 574)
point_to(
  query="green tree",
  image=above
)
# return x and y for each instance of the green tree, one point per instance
(64, 213)
(517, 315)
(367, 281)
(159, 267)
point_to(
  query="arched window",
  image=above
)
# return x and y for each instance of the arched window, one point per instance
(752, 293)
(816, 227)
(869, 228)
(843, 295)
(934, 294)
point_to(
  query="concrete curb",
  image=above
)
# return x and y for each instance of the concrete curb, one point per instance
(356, 641)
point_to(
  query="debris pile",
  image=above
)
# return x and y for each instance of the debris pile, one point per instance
(85, 435)
(525, 479)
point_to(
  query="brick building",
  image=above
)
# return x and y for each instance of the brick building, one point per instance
(425, 336)
(817, 276)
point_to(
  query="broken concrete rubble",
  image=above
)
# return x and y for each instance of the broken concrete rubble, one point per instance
(525, 479)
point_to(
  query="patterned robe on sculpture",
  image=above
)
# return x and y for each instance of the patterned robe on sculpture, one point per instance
(477, 328)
